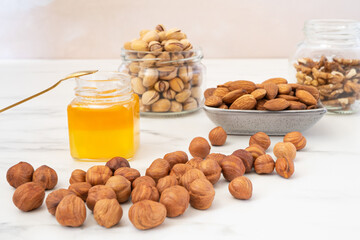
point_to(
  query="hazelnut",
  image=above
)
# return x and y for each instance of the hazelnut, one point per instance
(264, 164)
(195, 162)
(297, 139)
(179, 170)
(255, 150)
(176, 200)
(211, 170)
(117, 162)
(202, 194)
(144, 180)
(241, 188)
(107, 212)
(81, 189)
(19, 174)
(54, 198)
(284, 167)
(199, 147)
(147, 214)
(218, 157)
(121, 187)
(98, 175)
(285, 150)
(129, 173)
(99, 192)
(159, 168)
(29, 196)
(217, 136)
(232, 167)
(77, 175)
(71, 211)
(166, 182)
(260, 138)
(246, 158)
(46, 177)
(176, 157)
(191, 176)
(144, 192)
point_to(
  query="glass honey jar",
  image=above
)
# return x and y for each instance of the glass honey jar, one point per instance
(103, 118)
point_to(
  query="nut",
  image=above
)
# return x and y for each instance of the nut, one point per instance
(143, 180)
(179, 169)
(166, 182)
(129, 173)
(162, 105)
(276, 81)
(202, 194)
(211, 170)
(242, 84)
(241, 188)
(176, 84)
(71, 211)
(176, 200)
(306, 97)
(19, 174)
(54, 198)
(259, 94)
(144, 192)
(161, 86)
(284, 167)
(173, 46)
(245, 102)
(190, 176)
(98, 175)
(255, 150)
(169, 94)
(190, 104)
(149, 97)
(99, 192)
(199, 147)
(217, 136)
(107, 212)
(121, 187)
(117, 162)
(277, 104)
(209, 92)
(294, 105)
(264, 164)
(230, 97)
(176, 157)
(28, 196)
(150, 36)
(176, 107)
(81, 189)
(285, 150)
(284, 88)
(195, 162)
(182, 96)
(260, 138)
(147, 214)
(218, 157)
(46, 177)
(77, 175)
(246, 158)
(159, 168)
(139, 45)
(155, 46)
(213, 101)
(271, 90)
(232, 167)
(297, 139)
(150, 77)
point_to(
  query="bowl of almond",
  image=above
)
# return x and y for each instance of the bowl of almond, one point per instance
(275, 106)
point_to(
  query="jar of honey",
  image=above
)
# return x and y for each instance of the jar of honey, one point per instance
(103, 118)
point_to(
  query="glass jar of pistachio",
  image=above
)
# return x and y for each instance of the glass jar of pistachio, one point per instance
(166, 71)
(329, 59)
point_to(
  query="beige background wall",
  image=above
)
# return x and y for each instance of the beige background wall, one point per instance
(98, 28)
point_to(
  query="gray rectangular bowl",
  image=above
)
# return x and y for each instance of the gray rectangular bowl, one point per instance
(248, 122)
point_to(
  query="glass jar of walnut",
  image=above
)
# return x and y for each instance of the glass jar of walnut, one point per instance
(168, 83)
(329, 59)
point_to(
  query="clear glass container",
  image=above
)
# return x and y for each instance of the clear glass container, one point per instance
(103, 118)
(167, 83)
(329, 59)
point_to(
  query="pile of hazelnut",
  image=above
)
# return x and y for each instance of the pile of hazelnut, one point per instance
(170, 183)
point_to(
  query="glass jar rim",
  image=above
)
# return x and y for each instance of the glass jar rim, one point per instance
(333, 26)
(90, 77)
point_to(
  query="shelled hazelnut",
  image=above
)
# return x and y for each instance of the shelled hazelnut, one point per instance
(98, 175)
(54, 198)
(176, 157)
(77, 175)
(71, 211)
(144, 192)
(166, 182)
(264, 164)
(117, 162)
(199, 147)
(143, 180)
(179, 170)
(176, 200)
(19, 174)
(297, 139)
(202, 194)
(46, 177)
(195, 162)
(191, 176)
(255, 150)
(107, 212)
(285, 150)
(217, 136)
(241, 188)
(28, 196)
(159, 168)
(261, 139)
(99, 192)
(218, 157)
(81, 189)
(147, 214)
(232, 167)
(121, 187)
(211, 170)
(129, 173)
(246, 157)
(284, 167)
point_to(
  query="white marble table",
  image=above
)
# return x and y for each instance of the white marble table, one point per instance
(320, 201)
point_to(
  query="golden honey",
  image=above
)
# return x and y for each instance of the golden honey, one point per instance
(103, 123)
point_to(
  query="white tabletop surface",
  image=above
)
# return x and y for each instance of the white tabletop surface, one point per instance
(320, 201)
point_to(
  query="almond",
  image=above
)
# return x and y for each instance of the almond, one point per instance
(276, 81)
(209, 92)
(230, 97)
(288, 97)
(245, 102)
(259, 93)
(313, 90)
(276, 104)
(295, 105)
(306, 97)
(284, 88)
(271, 90)
(221, 91)
(260, 104)
(247, 85)
(213, 101)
